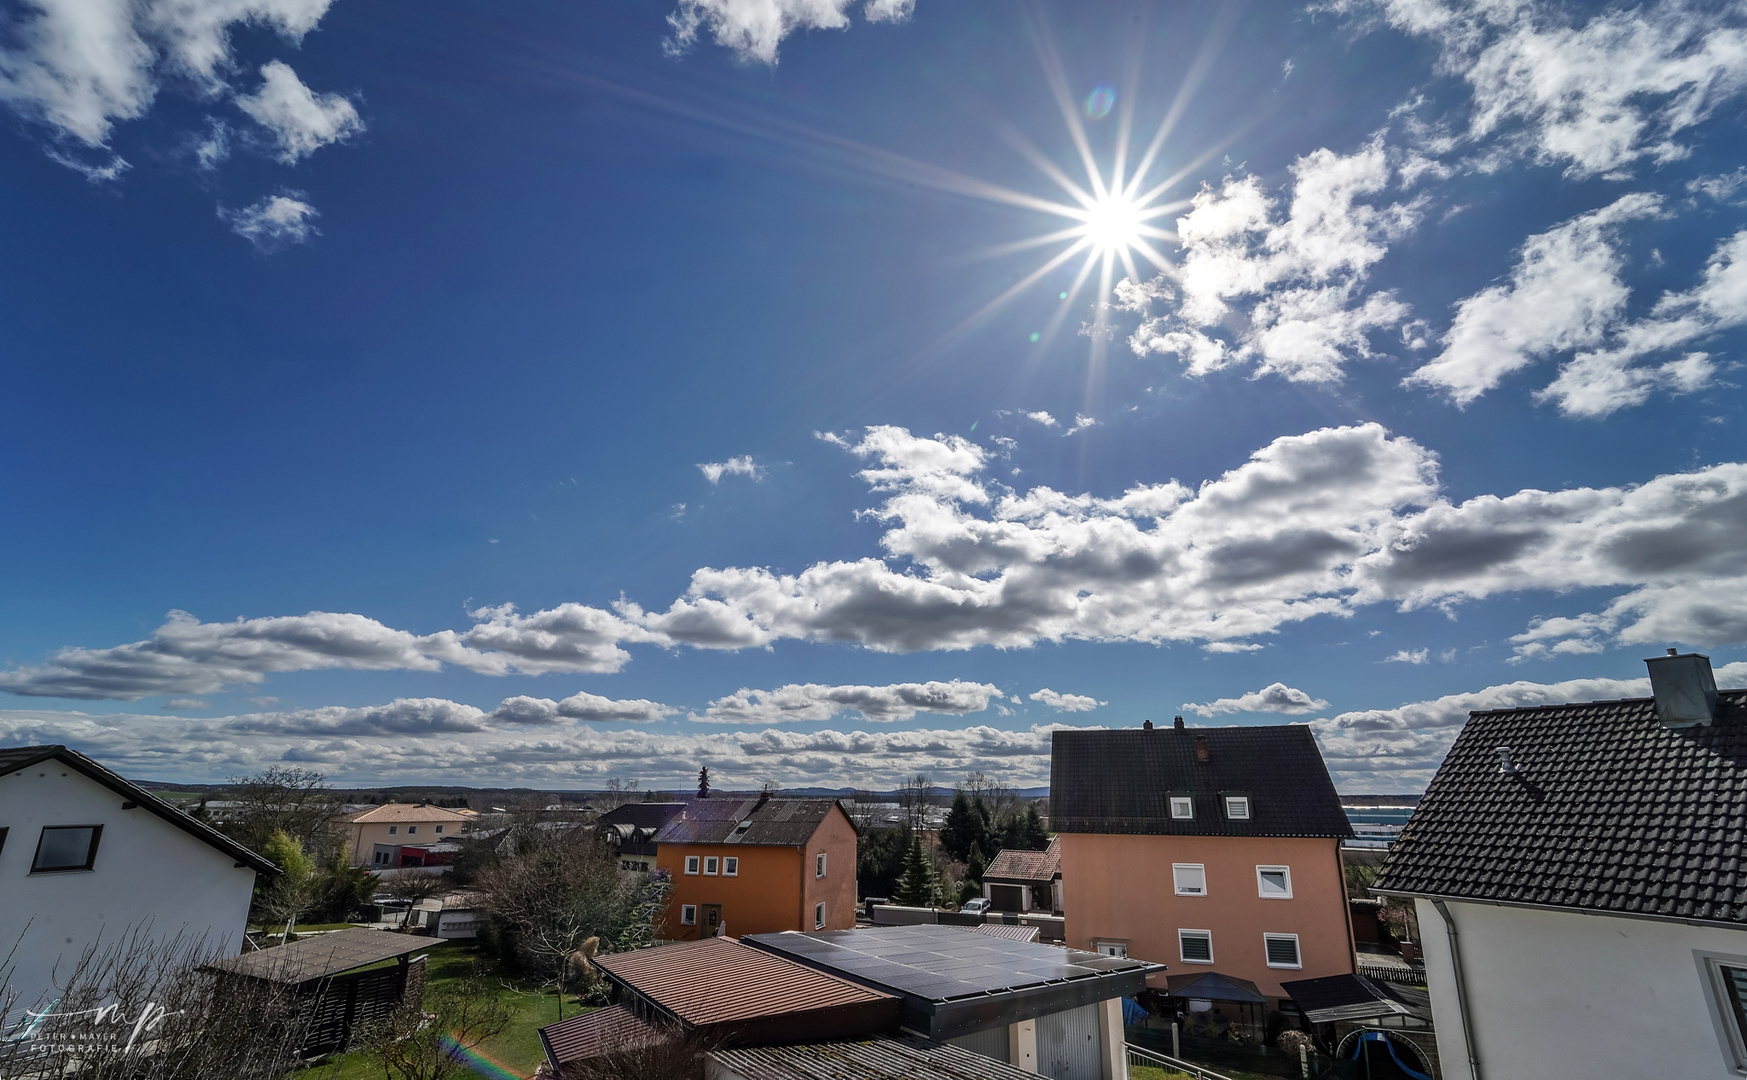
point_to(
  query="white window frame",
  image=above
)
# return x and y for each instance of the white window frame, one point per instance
(1185, 803)
(819, 915)
(394, 830)
(1296, 951)
(412, 830)
(691, 864)
(819, 865)
(1731, 1035)
(439, 830)
(1262, 890)
(1118, 949)
(730, 866)
(688, 915)
(1177, 881)
(1242, 800)
(1208, 934)
(712, 865)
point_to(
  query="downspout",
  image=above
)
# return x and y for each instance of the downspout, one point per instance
(1461, 988)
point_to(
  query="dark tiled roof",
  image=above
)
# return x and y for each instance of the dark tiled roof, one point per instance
(718, 981)
(1121, 781)
(905, 1056)
(19, 757)
(775, 822)
(1611, 811)
(642, 815)
(1040, 866)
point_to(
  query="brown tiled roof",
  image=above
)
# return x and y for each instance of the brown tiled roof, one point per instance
(389, 813)
(1014, 865)
(906, 1056)
(1610, 812)
(718, 982)
(593, 1034)
(774, 822)
(1122, 781)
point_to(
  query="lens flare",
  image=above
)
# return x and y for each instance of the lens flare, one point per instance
(1100, 101)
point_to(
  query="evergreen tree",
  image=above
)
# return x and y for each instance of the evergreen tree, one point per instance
(704, 782)
(1036, 836)
(962, 829)
(918, 886)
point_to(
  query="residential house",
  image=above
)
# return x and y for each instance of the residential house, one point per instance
(375, 836)
(1017, 880)
(1206, 849)
(631, 828)
(1578, 875)
(86, 856)
(748, 866)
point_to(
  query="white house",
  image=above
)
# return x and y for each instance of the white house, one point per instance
(86, 856)
(1580, 877)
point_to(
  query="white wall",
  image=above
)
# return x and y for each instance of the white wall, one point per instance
(1557, 994)
(146, 871)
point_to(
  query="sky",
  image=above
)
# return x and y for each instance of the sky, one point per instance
(827, 391)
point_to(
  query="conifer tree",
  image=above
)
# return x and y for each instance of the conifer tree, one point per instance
(704, 782)
(918, 886)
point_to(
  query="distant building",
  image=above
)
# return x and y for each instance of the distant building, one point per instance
(758, 865)
(1578, 876)
(1205, 849)
(393, 825)
(1015, 880)
(87, 856)
(631, 828)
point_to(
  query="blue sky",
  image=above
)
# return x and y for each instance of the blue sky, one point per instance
(542, 393)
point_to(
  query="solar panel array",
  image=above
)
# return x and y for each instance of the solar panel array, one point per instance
(942, 963)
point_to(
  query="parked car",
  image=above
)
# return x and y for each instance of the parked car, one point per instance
(974, 907)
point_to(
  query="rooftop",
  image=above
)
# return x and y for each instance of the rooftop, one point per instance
(716, 982)
(321, 955)
(1122, 781)
(595, 1033)
(872, 1059)
(955, 981)
(1610, 811)
(773, 822)
(642, 815)
(1354, 997)
(389, 813)
(1033, 866)
(14, 758)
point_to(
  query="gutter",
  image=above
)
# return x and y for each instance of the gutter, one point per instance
(1461, 988)
(1724, 924)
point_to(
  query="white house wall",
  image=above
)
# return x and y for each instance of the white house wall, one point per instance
(1556, 994)
(147, 873)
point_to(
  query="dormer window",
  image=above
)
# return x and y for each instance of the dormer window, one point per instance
(1237, 807)
(1182, 808)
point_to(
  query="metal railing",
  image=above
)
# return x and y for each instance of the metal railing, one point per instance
(1156, 1060)
(1404, 974)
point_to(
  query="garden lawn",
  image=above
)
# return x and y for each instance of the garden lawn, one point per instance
(517, 1050)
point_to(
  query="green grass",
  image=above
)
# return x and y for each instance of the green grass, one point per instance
(517, 1049)
(1159, 1072)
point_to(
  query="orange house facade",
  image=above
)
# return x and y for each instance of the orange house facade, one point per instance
(1204, 849)
(758, 866)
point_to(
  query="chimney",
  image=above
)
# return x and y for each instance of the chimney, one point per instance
(1201, 753)
(1148, 726)
(1177, 722)
(1685, 689)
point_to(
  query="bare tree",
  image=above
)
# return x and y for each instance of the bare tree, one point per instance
(661, 1051)
(427, 1041)
(295, 801)
(618, 793)
(413, 887)
(913, 798)
(864, 809)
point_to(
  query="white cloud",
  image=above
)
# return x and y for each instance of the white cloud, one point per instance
(1273, 698)
(1408, 656)
(1297, 281)
(1721, 187)
(1313, 525)
(754, 28)
(301, 121)
(1232, 647)
(812, 701)
(183, 705)
(589, 708)
(1041, 417)
(1066, 702)
(1564, 293)
(274, 221)
(1081, 423)
(1407, 743)
(1597, 93)
(82, 66)
(736, 466)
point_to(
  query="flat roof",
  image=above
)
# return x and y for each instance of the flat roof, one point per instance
(1354, 997)
(323, 955)
(955, 981)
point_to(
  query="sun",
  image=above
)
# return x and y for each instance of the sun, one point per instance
(1114, 224)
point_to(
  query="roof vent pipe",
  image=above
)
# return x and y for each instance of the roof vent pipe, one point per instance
(1685, 689)
(1201, 753)
(1506, 766)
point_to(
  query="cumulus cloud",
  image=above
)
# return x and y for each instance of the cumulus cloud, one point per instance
(1273, 698)
(1407, 743)
(1408, 656)
(1041, 417)
(300, 120)
(754, 28)
(1314, 525)
(1294, 283)
(590, 708)
(82, 66)
(1066, 702)
(812, 701)
(1597, 91)
(274, 221)
(735, 466)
